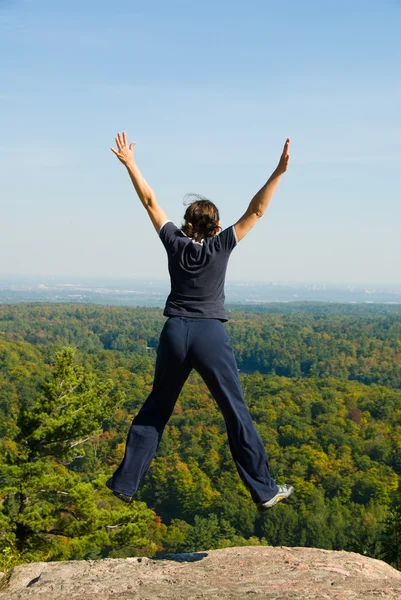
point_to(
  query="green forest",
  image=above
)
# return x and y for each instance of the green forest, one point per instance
(322, 383)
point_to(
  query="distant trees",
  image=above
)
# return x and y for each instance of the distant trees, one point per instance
(308, 340)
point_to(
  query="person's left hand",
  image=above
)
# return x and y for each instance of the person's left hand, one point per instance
(284, 158)
(124, 152)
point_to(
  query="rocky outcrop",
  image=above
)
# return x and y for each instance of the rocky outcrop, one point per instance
(276, 573)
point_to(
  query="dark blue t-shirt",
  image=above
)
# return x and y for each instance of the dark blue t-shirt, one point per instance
(197, 272)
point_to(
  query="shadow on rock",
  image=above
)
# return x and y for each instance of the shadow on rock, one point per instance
(184, 557)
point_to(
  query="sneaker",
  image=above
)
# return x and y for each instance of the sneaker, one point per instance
(120, 495)
(282, 493)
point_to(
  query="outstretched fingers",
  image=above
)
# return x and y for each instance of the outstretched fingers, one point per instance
(284, 158)
(286, 148)
(124, 151)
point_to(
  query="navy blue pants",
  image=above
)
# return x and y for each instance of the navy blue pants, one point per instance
(204, 345)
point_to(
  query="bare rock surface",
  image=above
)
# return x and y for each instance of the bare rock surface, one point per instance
(251, 572)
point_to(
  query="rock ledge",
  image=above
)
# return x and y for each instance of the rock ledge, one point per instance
(276, 573)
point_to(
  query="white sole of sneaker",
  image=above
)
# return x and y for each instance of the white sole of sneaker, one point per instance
(275, 500)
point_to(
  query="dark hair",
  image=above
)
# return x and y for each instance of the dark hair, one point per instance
(201, 217)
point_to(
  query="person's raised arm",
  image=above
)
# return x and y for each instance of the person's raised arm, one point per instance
(260, 201)
(125, 153)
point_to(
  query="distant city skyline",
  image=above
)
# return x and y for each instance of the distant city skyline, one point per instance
(20, 281)
(209, 92)
(76, 278)
(71, 278)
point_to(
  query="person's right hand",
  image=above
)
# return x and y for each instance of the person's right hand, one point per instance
(284, 158)
(124, 152)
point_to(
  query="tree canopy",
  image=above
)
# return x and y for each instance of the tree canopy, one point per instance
(323, 391)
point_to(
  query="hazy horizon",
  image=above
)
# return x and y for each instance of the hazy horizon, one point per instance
(209, 92)
(76, 279)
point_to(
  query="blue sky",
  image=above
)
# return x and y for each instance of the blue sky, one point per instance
(209, 91)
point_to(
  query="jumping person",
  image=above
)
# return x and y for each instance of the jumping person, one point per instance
(194, 337)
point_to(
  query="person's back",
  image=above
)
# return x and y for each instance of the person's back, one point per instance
(197, 272)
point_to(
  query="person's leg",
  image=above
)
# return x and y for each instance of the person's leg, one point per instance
(212, 356)
(172, 370)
